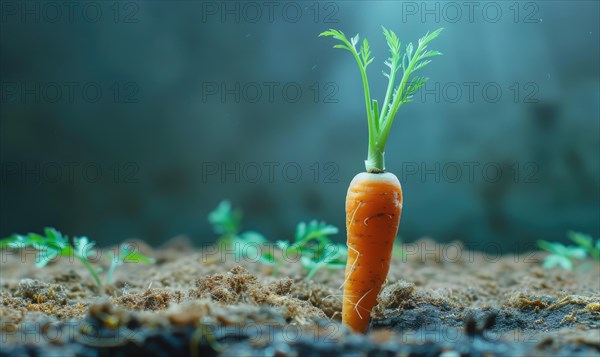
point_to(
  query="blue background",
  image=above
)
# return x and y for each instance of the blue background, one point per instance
(185, 117)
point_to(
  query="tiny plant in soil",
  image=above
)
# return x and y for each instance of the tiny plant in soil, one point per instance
(315, 248)
(312, 244)
(53, 244)
(227, 222)
(564, 256)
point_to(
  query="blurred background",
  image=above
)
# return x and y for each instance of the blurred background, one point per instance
(134, 119)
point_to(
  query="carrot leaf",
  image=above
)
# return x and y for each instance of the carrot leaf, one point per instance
(413, 59)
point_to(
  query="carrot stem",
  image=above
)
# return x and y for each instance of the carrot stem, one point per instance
(375, 162)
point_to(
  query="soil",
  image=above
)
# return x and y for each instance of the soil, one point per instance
(204, 302)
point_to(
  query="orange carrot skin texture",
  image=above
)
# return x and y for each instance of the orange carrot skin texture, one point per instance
(373, 209)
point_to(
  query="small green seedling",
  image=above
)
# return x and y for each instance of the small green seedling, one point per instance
(311, 245)
(227, 221)
(53, 244)
(315, 248)
(586, 242)
(127, 254)
(564, 256)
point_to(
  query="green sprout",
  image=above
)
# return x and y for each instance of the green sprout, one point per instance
(53, 244)
(586, 242)
(127, 254)
(311, 242)
(315, 248)
(564, 256)
(227, 221)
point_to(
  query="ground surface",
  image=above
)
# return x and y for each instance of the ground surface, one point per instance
(204, 302)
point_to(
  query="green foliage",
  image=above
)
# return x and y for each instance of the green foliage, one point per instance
(127, 254)
(561, 255)
(53, 244)
(312, 245)
(380, 119)
(564, 256)
(315, 248)
(586, 242)
(227, 221)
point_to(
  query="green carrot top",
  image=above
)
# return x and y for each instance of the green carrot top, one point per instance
(380, 121)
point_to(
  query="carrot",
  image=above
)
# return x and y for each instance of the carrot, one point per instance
(374, 198)
(373, 208)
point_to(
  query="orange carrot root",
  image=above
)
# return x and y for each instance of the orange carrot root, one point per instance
(373, 209)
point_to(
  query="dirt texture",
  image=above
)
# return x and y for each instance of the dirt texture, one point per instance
(200, 302)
